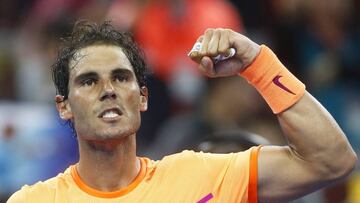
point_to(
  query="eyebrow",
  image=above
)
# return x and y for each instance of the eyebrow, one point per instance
(118, 71)
(121, 71)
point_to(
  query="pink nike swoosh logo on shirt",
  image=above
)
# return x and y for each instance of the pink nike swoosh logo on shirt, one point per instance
(206, 198)
(277, 82)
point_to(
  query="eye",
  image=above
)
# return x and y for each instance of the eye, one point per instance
(89, 82)
(121, 78)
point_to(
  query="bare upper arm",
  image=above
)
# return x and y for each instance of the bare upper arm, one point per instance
(283, 176)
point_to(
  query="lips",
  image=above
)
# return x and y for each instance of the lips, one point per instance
(110, 113)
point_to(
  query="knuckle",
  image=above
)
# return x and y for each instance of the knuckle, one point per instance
(222, 49)
(209, 31)
(204, 49)
(228, 31)
(212, 51)
(219, 30)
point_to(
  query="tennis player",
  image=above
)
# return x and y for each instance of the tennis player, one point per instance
(99, 76)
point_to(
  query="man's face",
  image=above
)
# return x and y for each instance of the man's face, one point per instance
(104, 99)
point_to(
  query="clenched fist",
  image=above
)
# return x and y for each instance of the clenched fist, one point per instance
(219, 41)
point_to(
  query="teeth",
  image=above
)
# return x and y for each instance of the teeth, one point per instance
(110, 114)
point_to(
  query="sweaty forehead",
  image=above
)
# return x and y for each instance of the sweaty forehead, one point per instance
(99, 58)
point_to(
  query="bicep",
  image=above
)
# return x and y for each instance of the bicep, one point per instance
(283, 176)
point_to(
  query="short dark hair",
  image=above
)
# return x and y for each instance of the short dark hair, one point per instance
(86, 33)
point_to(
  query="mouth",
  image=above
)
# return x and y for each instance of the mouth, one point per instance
(111, 114)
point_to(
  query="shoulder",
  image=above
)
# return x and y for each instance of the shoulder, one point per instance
(42, 191)
(189, 155)
(189, 158)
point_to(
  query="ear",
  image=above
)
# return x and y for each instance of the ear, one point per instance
(144, 96)
(63, 108)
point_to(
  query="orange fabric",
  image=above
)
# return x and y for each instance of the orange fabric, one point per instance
(184, 177)
(113, 194)
(253, 177)
(276, 84)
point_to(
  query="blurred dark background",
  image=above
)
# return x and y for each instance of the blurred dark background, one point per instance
(319, 41)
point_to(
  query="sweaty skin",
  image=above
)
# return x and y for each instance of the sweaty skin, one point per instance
(314, 138)
(103, 80)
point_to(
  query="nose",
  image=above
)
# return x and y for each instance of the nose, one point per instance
(108, 92)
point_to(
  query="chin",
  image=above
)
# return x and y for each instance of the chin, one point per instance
(113, 133)
(108, 132)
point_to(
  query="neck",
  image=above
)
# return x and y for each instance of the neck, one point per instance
(108, 165)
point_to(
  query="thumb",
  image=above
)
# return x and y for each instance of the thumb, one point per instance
(206, 66)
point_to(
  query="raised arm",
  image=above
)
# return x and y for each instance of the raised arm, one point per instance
(318, 152)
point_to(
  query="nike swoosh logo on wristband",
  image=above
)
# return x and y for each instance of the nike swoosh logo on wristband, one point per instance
(277, 82)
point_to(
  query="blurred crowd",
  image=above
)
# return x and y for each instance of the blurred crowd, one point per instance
(319, 41)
